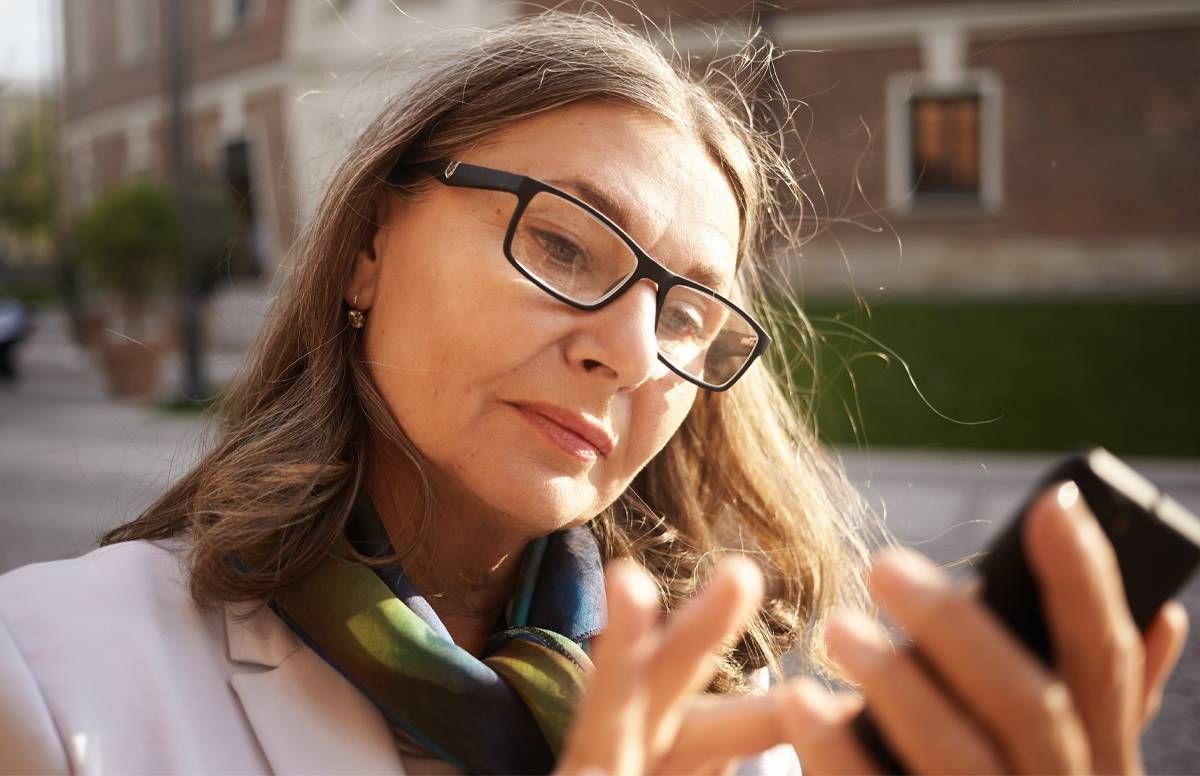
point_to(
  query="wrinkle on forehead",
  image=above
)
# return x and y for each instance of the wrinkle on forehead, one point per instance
(669, 217)
(690, 231)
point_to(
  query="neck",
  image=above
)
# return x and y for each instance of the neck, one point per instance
(464, 561)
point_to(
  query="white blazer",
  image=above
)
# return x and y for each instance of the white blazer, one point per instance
(107, 666)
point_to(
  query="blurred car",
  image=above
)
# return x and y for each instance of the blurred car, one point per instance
(16, 323)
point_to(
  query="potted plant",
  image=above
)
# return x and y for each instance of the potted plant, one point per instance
(130, 243)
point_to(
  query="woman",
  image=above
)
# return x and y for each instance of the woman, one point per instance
(507, 355)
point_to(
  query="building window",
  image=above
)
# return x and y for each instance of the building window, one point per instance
(249, 255)
(79, 40)
(136, 28)
(944, 145)
(230, 17)
(138, 150)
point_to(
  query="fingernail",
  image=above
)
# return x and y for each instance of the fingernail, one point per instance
(638, 584)
(854, 641)
(805, 710)
(1176, 614)
(1067, 497)
(748, 573)
(905, 572)
(1071, 502)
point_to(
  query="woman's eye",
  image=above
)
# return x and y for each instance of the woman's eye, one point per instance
(559, 249)
(682, 320)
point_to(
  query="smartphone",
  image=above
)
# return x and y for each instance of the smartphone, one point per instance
(1157, 544)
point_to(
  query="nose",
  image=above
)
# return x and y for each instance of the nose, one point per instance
(618, 340)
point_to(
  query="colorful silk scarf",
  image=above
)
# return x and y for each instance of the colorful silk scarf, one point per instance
(506, 713)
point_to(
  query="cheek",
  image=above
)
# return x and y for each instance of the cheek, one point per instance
(443, 336)
(654, 419)
(419, 341)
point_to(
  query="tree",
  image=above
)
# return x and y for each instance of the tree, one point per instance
(28, 189)
(130, 240)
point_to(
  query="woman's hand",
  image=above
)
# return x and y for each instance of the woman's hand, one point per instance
(644, 711)
(999, 708)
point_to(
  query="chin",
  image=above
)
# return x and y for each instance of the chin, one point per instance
(546, 506)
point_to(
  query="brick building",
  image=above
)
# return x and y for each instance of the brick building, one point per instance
(994, 146)
(1040, 147)
(116, 114)
(278, 90)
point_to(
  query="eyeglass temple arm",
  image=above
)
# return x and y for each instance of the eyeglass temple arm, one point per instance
(454, 173)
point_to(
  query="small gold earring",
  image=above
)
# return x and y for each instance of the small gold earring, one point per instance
(355, 316)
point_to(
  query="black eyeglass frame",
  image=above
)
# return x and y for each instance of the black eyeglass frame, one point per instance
(456, 173)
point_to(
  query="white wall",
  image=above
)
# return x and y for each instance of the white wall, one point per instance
(345, 62)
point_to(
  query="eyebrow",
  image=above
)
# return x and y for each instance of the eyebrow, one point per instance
(598, 198)
(619, 214)
(706, 276)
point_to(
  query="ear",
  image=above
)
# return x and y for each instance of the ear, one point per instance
(364, 278)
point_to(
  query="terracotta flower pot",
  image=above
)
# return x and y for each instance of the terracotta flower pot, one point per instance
(94, 325)
(131, 369)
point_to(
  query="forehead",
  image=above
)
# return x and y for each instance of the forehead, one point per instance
(657, 182)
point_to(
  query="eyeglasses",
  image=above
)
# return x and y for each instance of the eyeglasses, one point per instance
(575, 253)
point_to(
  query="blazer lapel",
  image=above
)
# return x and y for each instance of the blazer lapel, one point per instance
(306, 716)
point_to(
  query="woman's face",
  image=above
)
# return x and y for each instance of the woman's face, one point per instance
(485, 372)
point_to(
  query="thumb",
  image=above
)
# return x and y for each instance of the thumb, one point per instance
(1164, 639)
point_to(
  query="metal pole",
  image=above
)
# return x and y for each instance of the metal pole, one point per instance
(64, 235)
(194, 384)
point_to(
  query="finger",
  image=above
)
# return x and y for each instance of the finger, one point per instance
(817, 723)
(1164, 640)
(711, 767)
(723, 728)
(706, 768)
(606, 733)
(1025, 707)
(929, 731)
(719, 767)
(686, 655)
(1098, 648)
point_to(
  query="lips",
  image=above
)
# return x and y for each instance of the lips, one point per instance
(591, 432)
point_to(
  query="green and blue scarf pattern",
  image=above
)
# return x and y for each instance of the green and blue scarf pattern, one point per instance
(505, 713)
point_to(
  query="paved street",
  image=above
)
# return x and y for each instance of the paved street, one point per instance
(74, 463)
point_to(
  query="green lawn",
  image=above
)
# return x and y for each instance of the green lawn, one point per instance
(1008, 375)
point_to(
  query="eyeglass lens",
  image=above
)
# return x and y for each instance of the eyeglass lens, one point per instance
(569, 250)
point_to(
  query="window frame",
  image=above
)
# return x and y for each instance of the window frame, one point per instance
(132, 49)
(903, 89)
(80, 40)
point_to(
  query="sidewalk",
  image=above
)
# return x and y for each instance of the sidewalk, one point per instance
(74, 463)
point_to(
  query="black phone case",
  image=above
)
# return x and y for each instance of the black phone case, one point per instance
(1157, 544)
